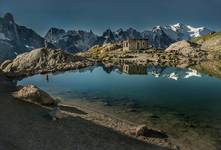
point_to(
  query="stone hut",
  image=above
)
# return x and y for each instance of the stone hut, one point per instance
(135, 44)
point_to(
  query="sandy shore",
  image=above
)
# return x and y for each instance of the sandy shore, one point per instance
(25, 126)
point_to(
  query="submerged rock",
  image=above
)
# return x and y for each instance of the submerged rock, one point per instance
(107, 103)
(33, 94)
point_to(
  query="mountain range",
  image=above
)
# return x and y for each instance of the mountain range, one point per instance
(16, 39)
(159, 37)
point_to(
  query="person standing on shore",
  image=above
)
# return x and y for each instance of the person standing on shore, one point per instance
(45, 44)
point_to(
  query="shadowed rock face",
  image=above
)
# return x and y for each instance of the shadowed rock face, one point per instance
(42, 60)
(159, 38)
(7, 50)
(72, 41)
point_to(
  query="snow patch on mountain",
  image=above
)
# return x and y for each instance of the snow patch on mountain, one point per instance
(159, 37)
(3, 37)
(181, 31)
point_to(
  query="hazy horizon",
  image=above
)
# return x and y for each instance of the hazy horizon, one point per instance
(99, 15)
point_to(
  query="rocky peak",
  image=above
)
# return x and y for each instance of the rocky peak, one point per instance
(133, 34)
(56, 30)
(179, 25)
(131, 30)
(109, 36)
(108, 32)
(120, 30)
(157, 28)
(8, 18)
(16, 39)
(53, 34)
(9, 28)
(71, 40)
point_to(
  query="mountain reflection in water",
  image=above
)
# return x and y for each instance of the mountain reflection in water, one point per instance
(159, 71)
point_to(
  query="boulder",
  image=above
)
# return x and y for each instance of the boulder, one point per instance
(56, 113)
(33, 94)
(185, 48)
(143, 130)
(5, 63)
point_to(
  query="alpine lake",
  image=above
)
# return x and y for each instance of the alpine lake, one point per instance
(183, 102)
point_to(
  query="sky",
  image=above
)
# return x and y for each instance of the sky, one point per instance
(99, 15)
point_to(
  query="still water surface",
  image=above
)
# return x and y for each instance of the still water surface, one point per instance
(183, 102)
(164, 86)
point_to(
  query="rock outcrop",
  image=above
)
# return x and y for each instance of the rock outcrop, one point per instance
(42, 60)
(185, 48)
(33, 94)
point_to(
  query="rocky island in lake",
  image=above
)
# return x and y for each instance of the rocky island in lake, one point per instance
(122, 89)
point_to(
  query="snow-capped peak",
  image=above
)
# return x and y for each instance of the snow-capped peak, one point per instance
(196, 32)
(178, 25)
(181, 31)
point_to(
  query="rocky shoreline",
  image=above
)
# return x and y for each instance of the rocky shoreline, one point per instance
(181, 54)
(27, 126)
(62, 110)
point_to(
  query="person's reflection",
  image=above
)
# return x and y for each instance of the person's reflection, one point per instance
(47, 77)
